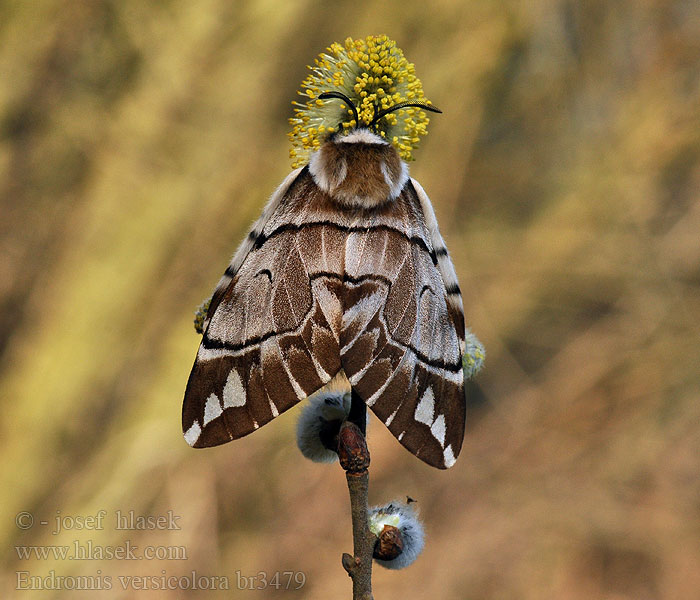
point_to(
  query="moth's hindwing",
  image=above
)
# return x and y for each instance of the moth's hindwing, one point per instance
(323, 289)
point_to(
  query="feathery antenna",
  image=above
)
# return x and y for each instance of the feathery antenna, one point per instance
(326, 95)
(401, 105)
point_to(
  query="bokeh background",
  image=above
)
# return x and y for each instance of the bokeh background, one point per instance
(138, 141)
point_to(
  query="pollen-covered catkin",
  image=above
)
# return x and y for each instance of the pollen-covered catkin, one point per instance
(474, 356)
(200, 315)
(374, 74)
(405, 519)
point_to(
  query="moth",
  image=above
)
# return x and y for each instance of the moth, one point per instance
(345, 270)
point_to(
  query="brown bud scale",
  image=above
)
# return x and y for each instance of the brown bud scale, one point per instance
(390, 543)
(352, 448)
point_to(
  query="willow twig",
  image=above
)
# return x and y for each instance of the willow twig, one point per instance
(354, 458)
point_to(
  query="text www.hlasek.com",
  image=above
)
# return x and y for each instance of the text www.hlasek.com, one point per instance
(90, 551)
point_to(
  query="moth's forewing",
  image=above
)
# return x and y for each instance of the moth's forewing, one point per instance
(319, 288)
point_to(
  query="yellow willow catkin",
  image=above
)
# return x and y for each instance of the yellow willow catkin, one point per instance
(374, 74)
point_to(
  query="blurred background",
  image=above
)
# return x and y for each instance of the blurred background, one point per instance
(138, 142)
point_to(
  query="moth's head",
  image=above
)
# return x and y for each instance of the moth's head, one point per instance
(357, 166)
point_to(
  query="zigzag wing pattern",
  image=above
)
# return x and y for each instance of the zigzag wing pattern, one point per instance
(401, 343)
(322, 289)
(270, 342)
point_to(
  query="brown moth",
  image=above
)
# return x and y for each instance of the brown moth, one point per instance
(345, 270)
